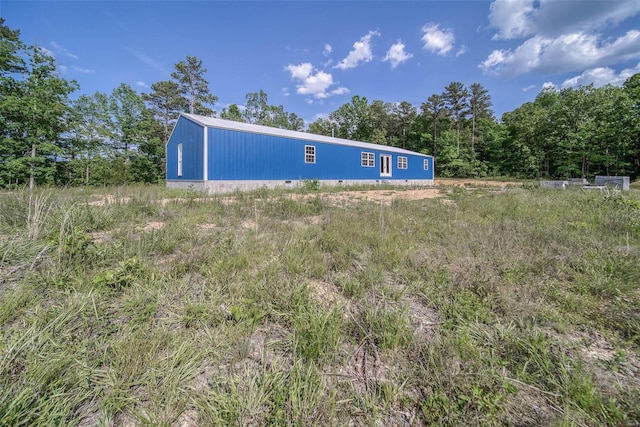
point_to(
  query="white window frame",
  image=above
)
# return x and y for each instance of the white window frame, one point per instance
(426, 164)
(368, 160)
(180, 159)
(403, 162)
(310, 154)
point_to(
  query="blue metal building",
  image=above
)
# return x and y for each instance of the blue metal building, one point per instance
(221, 155)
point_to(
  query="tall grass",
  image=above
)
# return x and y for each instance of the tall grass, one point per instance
(155, 307)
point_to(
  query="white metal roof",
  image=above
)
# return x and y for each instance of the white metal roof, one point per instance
(266, 130)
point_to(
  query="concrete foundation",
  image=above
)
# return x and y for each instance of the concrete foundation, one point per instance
(617, 182)
(218, 187)
(578, 182)
(554, 184)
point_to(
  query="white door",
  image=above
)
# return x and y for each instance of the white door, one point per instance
(385, 165)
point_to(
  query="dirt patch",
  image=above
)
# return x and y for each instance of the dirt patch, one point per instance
(315, 220)
(210, 227)
(153, 225)
(328, 295)
(100, 236)
(600, 349)
(188, 418)
(385, 197)
(423, 318)
(249, 225)
(109, 199)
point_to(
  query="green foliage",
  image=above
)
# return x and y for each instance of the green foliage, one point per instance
(259, 112)
(193, 87)
(311, 184)
(578, 132)
(166, 103)
(123, 275)
(34, 110)
(316, 332)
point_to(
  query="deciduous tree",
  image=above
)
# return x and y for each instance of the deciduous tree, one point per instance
(35, 112)
(233, 113)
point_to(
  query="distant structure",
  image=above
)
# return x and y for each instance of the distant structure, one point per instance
(601, 183)
(222, 156)
(617, 182)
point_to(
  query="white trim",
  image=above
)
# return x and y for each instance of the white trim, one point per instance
(388, 165)
(310, 154)
(367, 159)
(180, 159)
(403, 162)
(205, 152)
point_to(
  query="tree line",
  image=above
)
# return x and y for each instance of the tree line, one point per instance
(47, 138)
(569, 133)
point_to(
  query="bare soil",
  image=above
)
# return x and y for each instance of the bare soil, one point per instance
(384, 196)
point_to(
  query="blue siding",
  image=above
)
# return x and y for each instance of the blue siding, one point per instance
(236, 155)
(190, 135)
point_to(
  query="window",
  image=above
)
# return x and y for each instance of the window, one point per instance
(426, 164)
(309, 154)
(402, 162)
(179, 159)
(368, 160)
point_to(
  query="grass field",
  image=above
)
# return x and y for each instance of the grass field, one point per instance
(144, 306)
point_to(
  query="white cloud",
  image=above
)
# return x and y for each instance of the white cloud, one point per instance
(313, 82)
(327, 49)
(528, 88)
(340, 91)
(63, 68)
(62, 50)
(46, 51)
(300, 72)
(285, 91)
(147, 60)
(463, 49)
(361, 52)
(82, 70)
(436, 40)
(562, 37)
(548, 86)
(512, 18)
(142, 84)
(601, 76)
(496, 60)
(523, 18)
(569, 52)
(396, 54)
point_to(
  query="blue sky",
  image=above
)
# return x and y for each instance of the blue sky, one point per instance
(313, 56)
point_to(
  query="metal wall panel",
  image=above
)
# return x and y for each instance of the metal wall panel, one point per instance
(236, 155)
(190, 135)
